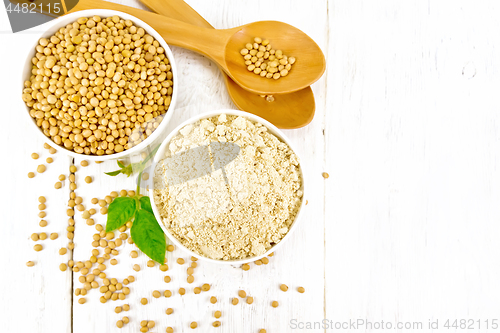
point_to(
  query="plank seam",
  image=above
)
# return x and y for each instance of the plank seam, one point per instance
(72, 258)
(324, 159)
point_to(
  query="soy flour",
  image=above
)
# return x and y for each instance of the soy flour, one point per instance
(236, 217)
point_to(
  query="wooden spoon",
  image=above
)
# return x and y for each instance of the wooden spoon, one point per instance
(223, 46)
(293, 110)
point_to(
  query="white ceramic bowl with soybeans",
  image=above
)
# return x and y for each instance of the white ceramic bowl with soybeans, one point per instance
(100, 84)
(227, 187)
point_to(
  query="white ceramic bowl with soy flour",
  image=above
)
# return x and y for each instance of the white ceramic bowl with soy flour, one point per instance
(103, 13)
(271, 129)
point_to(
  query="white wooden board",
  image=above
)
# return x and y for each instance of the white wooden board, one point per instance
(403, 230)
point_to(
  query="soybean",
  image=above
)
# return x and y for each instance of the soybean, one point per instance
(261, 59)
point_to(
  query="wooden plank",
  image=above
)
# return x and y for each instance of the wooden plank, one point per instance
(93, 315)
(298, 263)
(412, 150)
(36, 299)
(306, 244)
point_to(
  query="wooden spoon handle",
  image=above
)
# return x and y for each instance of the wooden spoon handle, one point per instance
(178, 10)
(202, 40)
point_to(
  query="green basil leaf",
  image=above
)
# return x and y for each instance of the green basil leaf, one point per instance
(128, 170)
(148, 236)
(120, 164)
(113, 173)
(146, 204)
(120, 211)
